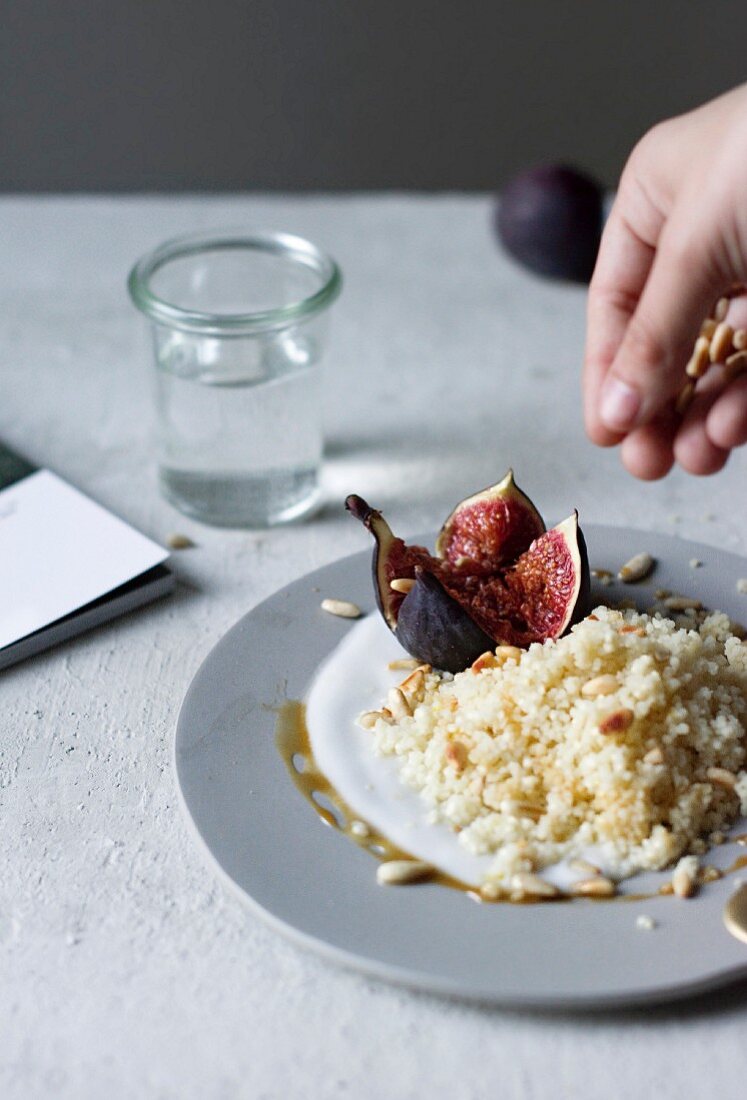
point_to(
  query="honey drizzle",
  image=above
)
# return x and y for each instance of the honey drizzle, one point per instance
(292, 740)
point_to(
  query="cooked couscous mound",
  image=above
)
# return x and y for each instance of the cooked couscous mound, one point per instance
(628, 736)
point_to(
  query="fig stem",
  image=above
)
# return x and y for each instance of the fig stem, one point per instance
(359, 508)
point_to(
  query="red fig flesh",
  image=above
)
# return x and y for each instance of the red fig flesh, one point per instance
(539, 595)
(497, 577)
(492, 527)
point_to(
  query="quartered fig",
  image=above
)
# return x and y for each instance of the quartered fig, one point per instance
(489, 528)
(433, 626)
(497, 577)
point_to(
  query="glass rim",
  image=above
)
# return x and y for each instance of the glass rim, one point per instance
(293, 248)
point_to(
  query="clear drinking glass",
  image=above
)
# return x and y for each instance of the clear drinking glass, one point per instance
(240, 325)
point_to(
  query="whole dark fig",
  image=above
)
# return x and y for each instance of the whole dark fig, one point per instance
(497, 578)
(550, 219)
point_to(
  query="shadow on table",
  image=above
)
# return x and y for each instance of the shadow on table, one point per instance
(725, 1001)
(421, 466)
(119, 624)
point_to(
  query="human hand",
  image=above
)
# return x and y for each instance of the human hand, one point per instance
(675, 240)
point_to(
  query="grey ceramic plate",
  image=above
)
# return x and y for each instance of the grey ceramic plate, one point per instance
(314, 885)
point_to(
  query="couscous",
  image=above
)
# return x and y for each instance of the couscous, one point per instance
(627, 737)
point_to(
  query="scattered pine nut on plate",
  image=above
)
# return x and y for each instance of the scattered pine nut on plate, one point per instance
(399, 872)
(343, 608)
(639, 567)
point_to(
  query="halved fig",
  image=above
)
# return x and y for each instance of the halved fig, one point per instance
(497, 578)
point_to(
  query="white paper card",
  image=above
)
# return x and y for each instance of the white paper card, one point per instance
(59, 551)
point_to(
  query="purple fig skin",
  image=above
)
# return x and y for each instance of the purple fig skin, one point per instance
(550, 219)
(373, 520)
(583, 600)
(433, 627)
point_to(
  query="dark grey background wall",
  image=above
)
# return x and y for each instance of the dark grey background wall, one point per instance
(297, 94)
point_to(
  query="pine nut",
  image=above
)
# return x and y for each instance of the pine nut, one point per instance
(397, 703)
(739, 339)
(645, 922)
(596, 887)
(681, 603)
(721, 343)
(721, 309)
(399, 872)
(414, 684)
(637, 568)
(708, 328)
(617, 722)
(405, 663)
(179, 542)
(508, 652)
(369, 718)
(683, 880)
(485, 660)
(684, 398)
(654, 756)
(343, 608)
(491, 891)
(600, 685)
(700, 358)
(456, 754)
(583, 867)
(710, 873)
(527, 809)
(402, 584)
(722, 778)
(735, 365)
(525, 884)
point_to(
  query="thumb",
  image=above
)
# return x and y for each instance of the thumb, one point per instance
(649, 366)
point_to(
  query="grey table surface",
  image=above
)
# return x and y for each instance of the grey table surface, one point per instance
(127, 968)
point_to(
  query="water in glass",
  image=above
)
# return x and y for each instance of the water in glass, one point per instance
(240, 425)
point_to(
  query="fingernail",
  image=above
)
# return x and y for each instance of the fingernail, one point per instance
(619, 405)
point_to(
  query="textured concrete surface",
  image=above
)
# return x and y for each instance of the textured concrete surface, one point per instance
(127, 969)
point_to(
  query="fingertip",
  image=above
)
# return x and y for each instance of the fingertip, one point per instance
(726, 423)
(696, 453)
(619, 404)
(647, 452)
(602, 436)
